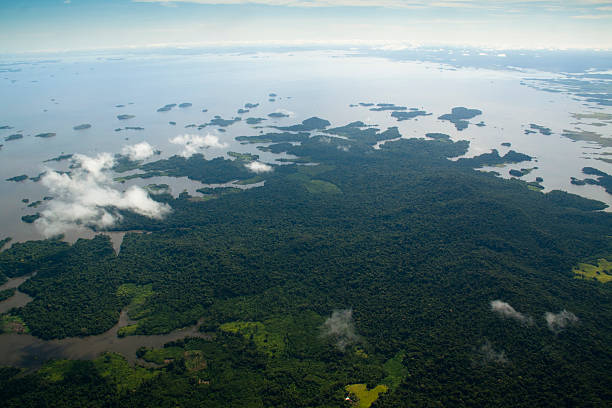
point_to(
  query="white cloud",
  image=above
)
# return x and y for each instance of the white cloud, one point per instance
(139, 151)
(340, 326)
(193, 143)
(258, 167)
(557, 322)
(505, 310)
(593, 16)
(487, 354)
(87, 197)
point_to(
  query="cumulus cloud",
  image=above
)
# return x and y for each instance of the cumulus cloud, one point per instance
(139, 151)
(258, 167)
(486, 354)
(558, 322)
(505, 310)
(341, 328)
(87, 197)
(193, 143)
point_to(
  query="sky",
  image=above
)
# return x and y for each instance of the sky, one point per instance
(28, 26)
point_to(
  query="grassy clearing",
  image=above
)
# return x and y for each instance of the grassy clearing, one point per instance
(12, 324)
(163, 355)
(322, 187)
(110, 366)
(270, 343)
(396, 372)
(117, 370)
(363, 397)
(137, 296)
(127, 330)
(601, 272)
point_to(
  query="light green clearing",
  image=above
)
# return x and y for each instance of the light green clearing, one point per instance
(137, 294)
(12, 324)
(320, 187)
(127, 330)
(396, 372)
(163, 355)
(111, 366)
(602, 272)
(362, 397)
(268, 342)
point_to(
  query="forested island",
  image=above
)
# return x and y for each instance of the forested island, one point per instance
(391, 276)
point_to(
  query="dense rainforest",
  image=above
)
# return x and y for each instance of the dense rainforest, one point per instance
(368, 275)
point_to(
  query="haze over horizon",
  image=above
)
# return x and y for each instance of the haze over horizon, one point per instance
(74, 25)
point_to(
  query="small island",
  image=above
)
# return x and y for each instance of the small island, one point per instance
(82, 127)
(29, 219)
(388, 107)
(278, 115)
(543, 130)
(125, 117)
(219, 121)
(459, 116)
(185, 105)
(167, 107)
(19, 178)
(403, 115)
(45, 135)
(251, 105)
(254, 121)
(15, 136)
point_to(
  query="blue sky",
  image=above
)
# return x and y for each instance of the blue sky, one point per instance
(58, 25)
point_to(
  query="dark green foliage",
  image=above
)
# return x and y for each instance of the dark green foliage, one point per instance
(21, 177)
(29, 219)
(276, 148)
(196, 167)
(415, 244)
(603, 179)
(275, 137)
(59, 158)
(45, 135)
(75, 294)
(7, 293)
(124, 163)
(307, 125)
(23, 258)
(15, 136)
(402, 115)
(459, 115)
(543, 130)
(493, 158)
(219, 121)
(254, 121)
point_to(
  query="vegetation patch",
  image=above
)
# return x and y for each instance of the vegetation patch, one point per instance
(12, 324)
(321, 187)
(601, 272)
(137, 296)
(396, 371)
(269, 343)
(362, 397)
(164, 355)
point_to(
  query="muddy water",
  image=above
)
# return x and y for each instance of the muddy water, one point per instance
(23, 350)
(19, 299)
